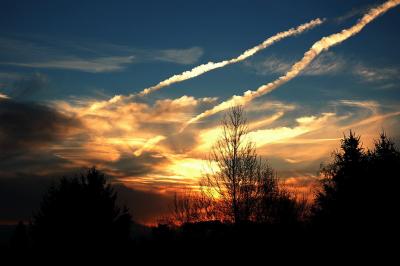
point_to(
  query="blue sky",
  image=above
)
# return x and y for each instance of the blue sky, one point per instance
(61, 62)
(55, 30)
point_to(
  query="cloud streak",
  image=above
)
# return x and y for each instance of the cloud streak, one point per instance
(201, 69)
(374, 74)
(95, 65)
(322, 45)
(99, 57)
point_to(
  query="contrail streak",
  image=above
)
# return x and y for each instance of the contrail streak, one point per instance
(201, 69)
(323, 44)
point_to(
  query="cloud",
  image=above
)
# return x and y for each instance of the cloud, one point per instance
(149, 144)
(297, 151)
(131, 128)
(326, 64)
(94, 65)
(375, 74)
(372, 106)
(329, 63)
(6, 76)
(270, 65)
(322, 45)
(179, 56)
(132, 166)
(272, 105)
(99, 58)
(39, 144)
(354, 12)
(29, 126)
(139, 144)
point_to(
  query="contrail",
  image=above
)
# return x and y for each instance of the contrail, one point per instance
(323, 44)
(201, 69)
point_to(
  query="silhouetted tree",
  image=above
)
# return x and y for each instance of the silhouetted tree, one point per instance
(235, 182)
(356, 192)
(383, 170)
(276, 205)
(244, 187)
(20, 240)
(340, 201)
(81, 213)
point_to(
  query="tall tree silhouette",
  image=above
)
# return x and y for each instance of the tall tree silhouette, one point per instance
(340, 201)
(359, 187)
(82, 213)
(383, 169)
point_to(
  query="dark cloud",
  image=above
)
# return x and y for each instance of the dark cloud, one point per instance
(181, 142)
(131, 165)
(27, 127)
(33, 162)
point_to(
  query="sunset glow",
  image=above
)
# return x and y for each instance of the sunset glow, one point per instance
(94, 97)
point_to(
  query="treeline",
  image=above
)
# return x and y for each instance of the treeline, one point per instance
(239, 202)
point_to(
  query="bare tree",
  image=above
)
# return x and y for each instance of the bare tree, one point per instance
(235, 183)
(239, 185)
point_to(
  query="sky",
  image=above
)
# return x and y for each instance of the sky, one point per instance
(127, 86)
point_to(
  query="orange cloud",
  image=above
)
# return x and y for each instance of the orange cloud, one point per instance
(140, 143)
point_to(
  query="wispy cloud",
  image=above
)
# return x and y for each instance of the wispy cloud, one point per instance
(354, 12)
(373, 106)
(95, 65)
(326, 64)
(376, 74)
(180, 56)
(270, 65)
(7, 76)
(329, 63)
(99, 58)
